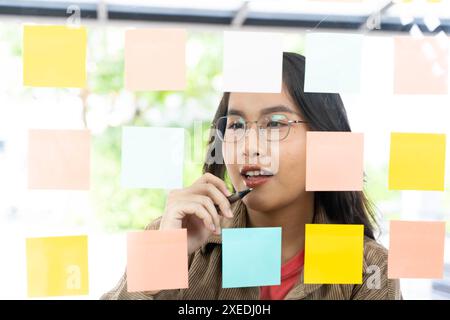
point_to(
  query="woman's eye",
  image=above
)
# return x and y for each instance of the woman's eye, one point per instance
(275, 124)
(235, 126)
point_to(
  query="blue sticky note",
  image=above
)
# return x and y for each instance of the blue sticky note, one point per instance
(251, 257)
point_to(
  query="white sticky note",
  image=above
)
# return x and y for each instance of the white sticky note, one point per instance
(252, 62)
(152, 157)
(333, 62)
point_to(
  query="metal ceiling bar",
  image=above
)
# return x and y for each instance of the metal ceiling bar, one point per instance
(241, 17)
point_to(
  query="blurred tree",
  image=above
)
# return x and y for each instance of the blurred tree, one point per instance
(119, 208)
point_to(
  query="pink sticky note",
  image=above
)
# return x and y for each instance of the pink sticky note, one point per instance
(334, 161)
(59, 159)
(416, 249)
(155, 59)
(421, 66)
(157, 260)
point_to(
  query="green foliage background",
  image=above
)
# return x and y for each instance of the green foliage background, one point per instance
(116, 208)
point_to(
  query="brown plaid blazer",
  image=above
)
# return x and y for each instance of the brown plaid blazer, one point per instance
(205, 274)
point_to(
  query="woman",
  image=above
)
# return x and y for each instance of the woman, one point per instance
(272, 161)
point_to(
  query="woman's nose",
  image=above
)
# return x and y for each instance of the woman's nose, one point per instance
(251, 142)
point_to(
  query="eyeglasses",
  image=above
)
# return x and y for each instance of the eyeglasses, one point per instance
(274, 127)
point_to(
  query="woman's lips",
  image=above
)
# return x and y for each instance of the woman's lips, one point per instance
(254, 181)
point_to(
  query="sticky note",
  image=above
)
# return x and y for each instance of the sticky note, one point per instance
(155, 59)
(416, 249)
(251, 257)
(334, 161)
(377, 77)
(431, 1)
(157, 260)
(421, 65)
(252, 62)
(340, 1)
(333, 62)
(54, 56)
(417, 161)
(152, 157)
(333, 254)
(59, 159)
(57, 266)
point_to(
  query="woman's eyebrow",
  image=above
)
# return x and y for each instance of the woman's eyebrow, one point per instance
(268, 110)
(279, 108)
(235, 112)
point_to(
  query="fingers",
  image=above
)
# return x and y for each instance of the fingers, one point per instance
(216, 181)
(197, 209)
(209, 206)
(206, 199)
(217, 197)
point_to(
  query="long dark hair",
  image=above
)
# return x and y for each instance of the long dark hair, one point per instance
(324, 112)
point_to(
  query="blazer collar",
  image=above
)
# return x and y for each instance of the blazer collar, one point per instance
(239, 220)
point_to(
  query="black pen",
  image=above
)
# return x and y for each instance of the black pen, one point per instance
(236, 196)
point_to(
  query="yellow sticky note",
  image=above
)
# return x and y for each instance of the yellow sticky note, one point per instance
(54, 56)
(57, 266)
(417, 161)
(333, 254)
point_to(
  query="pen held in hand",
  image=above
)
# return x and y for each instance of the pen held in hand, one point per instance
(237, 196)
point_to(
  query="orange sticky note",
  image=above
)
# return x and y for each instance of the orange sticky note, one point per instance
(155, 59)
(416, 249)
(334, 161)
(59, 159)
(421, 66)
(54, 56)
(157, 260)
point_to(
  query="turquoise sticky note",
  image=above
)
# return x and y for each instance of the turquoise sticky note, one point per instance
(251, 257)
(152, 157)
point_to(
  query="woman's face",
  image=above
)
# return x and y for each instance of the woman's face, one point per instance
(282, 162)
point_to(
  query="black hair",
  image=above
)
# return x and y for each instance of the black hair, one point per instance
(323, 112)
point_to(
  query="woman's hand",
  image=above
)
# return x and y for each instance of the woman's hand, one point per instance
(194, 208)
